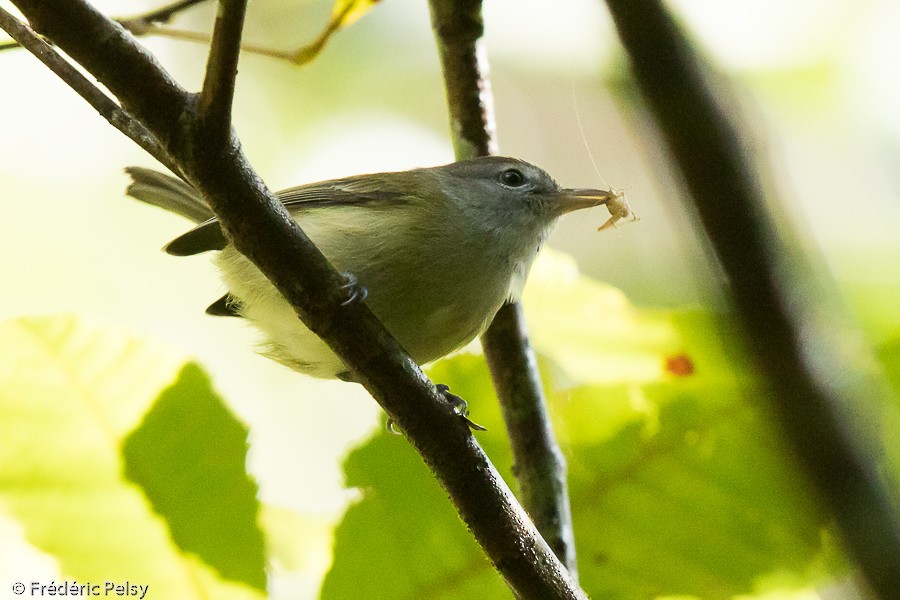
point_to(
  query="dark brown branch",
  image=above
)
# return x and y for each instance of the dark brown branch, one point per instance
(539, 463)
(262, 229)
(217, 95)
(797, 340)
(93, 95)
(458, 28)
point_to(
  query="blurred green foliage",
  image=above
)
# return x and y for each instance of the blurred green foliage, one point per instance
(120, 461)
(72, 393)
(678, 485)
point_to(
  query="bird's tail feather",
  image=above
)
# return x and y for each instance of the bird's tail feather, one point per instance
(167, 192)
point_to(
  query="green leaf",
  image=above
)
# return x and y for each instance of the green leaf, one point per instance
(403, 539)
(70, 393)
(188, 456)
(691, 495)
(589, 329)
(889, 357)
(678, 485)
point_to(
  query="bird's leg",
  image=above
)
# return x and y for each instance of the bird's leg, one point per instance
(460, 407)
(355, 292)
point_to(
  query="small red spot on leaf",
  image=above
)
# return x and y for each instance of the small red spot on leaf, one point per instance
(679, 365)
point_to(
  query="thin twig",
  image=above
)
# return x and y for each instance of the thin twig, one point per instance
(148, 23)
(809, 357)
(103, 104)
(299, 57)
(163, 14)
(306, 53)
(540, 466)
(199, 37)
(217, 94)
(261, 229)
(142, 24)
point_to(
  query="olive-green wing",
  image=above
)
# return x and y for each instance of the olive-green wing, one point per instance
(177, 196)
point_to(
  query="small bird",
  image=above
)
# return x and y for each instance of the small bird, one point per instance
(434, 252)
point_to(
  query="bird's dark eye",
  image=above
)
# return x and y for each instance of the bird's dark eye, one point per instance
(512, 178)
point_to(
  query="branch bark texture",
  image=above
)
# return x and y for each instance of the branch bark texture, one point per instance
(796, 342)
(261, 229)
(540, 466)
(217, 95)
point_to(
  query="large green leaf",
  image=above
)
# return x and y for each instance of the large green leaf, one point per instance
(70, 393)
(590, 330)
(678, 486)
(691, 495)
(188, 456)
(889, 357)
(403, 540)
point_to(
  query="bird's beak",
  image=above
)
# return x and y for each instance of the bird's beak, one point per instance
(568, 200)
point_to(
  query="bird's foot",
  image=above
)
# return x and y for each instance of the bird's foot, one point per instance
(460, 407)
(389, 425)
(352, 288)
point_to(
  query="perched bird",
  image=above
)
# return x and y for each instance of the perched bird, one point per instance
(436, 251)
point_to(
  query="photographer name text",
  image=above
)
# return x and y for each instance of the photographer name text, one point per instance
(73, 588)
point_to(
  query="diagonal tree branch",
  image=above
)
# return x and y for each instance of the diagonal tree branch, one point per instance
(799, 342)
(540, 466)
(262, 230)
